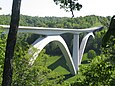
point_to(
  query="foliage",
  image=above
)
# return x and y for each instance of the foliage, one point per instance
(69, 4)
(37, 74)
(58, 22)
(101, 70)
(24, 74)
(2, 52)
(5, 19)
(91, 54)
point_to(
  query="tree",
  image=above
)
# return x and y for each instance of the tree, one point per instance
(91, 54)
(110, 32)
(69, 5)
(11, 41)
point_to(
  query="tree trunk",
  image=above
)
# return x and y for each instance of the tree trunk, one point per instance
(11, 41)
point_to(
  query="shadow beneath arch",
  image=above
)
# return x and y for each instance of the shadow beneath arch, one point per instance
(61, 62)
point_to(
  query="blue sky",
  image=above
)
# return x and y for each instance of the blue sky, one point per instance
(48, 8)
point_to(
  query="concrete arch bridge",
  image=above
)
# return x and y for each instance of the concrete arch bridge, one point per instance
(53, 35)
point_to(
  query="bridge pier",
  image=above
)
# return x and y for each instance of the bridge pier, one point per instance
(76, 51)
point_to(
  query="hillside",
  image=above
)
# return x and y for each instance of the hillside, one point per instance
(59, 22)
(50, 68)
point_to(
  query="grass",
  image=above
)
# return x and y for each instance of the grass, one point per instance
(58, 64)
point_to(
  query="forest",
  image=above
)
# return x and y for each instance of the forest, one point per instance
(50, 68)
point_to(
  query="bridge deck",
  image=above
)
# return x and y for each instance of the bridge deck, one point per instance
(51, 31)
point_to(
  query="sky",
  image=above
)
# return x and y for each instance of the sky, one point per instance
(44, 8)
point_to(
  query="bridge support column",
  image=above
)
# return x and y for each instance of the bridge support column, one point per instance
(76, 51)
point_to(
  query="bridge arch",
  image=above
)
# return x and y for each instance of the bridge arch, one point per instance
(42, 42)
(83, 45)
